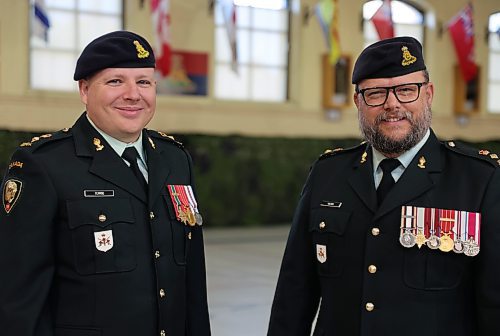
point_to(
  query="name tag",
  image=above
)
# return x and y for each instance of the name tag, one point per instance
(99, 193)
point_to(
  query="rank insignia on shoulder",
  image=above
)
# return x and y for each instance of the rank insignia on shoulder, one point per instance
(11, 192)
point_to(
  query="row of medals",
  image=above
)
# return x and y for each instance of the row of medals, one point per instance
(444, 243)
(190, 217)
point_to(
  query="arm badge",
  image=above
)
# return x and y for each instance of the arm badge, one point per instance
(11, 191)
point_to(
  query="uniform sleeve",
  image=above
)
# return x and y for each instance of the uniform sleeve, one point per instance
(198, 323)
(297, 292)
(487, 271)
(26, 248)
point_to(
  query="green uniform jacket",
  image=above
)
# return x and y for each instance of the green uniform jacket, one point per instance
(368, 283)
(54, 280)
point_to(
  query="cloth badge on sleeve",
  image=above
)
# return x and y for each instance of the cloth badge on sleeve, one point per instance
(321, 253)
(104, 240)
(11, 192)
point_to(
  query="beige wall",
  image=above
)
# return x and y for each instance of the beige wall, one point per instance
(192, 28)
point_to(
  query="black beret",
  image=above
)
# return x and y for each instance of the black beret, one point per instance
(119, 49)
(389, 58)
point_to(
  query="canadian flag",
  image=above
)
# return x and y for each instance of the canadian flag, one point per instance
(461, 30)
(382, 20)
(160, 17)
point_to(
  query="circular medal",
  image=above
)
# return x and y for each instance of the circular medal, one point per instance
(407, 239)
(472, 249)
(446, 243)
(199, 219)
(458, 247)
(433, 242)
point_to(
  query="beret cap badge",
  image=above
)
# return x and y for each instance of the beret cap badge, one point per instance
(141, 52)
(407, 57)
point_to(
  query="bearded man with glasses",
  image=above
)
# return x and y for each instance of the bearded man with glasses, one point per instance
(401, 234)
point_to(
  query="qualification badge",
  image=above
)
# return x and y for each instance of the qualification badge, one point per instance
(11, 192)
(104, 240)
(321, 253)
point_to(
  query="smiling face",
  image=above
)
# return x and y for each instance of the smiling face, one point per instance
(120, 101)
(394, 127)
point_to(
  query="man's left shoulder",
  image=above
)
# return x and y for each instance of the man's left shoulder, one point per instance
(163, 138)
(462, 149)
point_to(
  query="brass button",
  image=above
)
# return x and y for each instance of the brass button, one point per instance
(322, 225)
(375, 231)
(157, 254)
(189, 235)
(372, 269)
(102, 218)
(451, 144)
(151, 215)
(163, 333)
(162, 293)
(370, 306)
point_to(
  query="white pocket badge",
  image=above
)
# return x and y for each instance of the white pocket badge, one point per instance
(104, 240)
(321, 253)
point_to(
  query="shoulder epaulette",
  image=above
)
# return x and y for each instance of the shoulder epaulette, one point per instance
(482, 154)
(43, 139)
(164, 136)
(331, 152)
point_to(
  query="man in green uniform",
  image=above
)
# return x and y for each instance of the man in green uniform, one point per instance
(400, 235)
(100, 231)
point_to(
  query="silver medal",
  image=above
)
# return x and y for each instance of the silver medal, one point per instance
(407, 239)
(433, 242)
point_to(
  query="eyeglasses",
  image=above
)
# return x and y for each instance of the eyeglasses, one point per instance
(405, 93)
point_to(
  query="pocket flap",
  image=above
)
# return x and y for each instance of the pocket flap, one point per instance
(99, 212)
(325, 219)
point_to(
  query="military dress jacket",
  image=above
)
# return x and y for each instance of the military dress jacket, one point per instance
(344, 255)
(59, 278)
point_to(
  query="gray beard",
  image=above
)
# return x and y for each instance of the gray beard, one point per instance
(387, 145)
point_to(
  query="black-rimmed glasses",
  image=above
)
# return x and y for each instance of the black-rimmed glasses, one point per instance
(405, 93)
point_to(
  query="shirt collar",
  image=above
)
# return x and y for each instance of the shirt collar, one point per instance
(404, 158)
(119, 146)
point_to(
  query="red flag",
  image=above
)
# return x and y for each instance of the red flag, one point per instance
(382, 20)
(160, 17)
(228, 9)
(461, 30)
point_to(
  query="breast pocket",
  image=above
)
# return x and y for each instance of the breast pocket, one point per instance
(429, 269)
(102, 232)
(327, 228)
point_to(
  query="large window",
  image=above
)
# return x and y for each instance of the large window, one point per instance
(494, 63)
(408, 20)
(262, 48)
(73, 24)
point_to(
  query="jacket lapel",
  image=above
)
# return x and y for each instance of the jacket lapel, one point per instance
(105, 164)
(158, 167)
(361, 180)
(418, 178)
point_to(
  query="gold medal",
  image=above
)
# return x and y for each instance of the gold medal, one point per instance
(190, 217)
(420, 239)
(446, 243)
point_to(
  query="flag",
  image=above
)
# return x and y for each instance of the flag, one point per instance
(327, 14)
(40, 21)
(160, 17)
(382, 20)
(461, 30)
(228, 9)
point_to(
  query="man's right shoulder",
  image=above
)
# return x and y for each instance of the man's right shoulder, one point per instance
(44, 140)
(341, 152)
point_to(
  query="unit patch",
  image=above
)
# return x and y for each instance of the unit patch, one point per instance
(11, 191)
